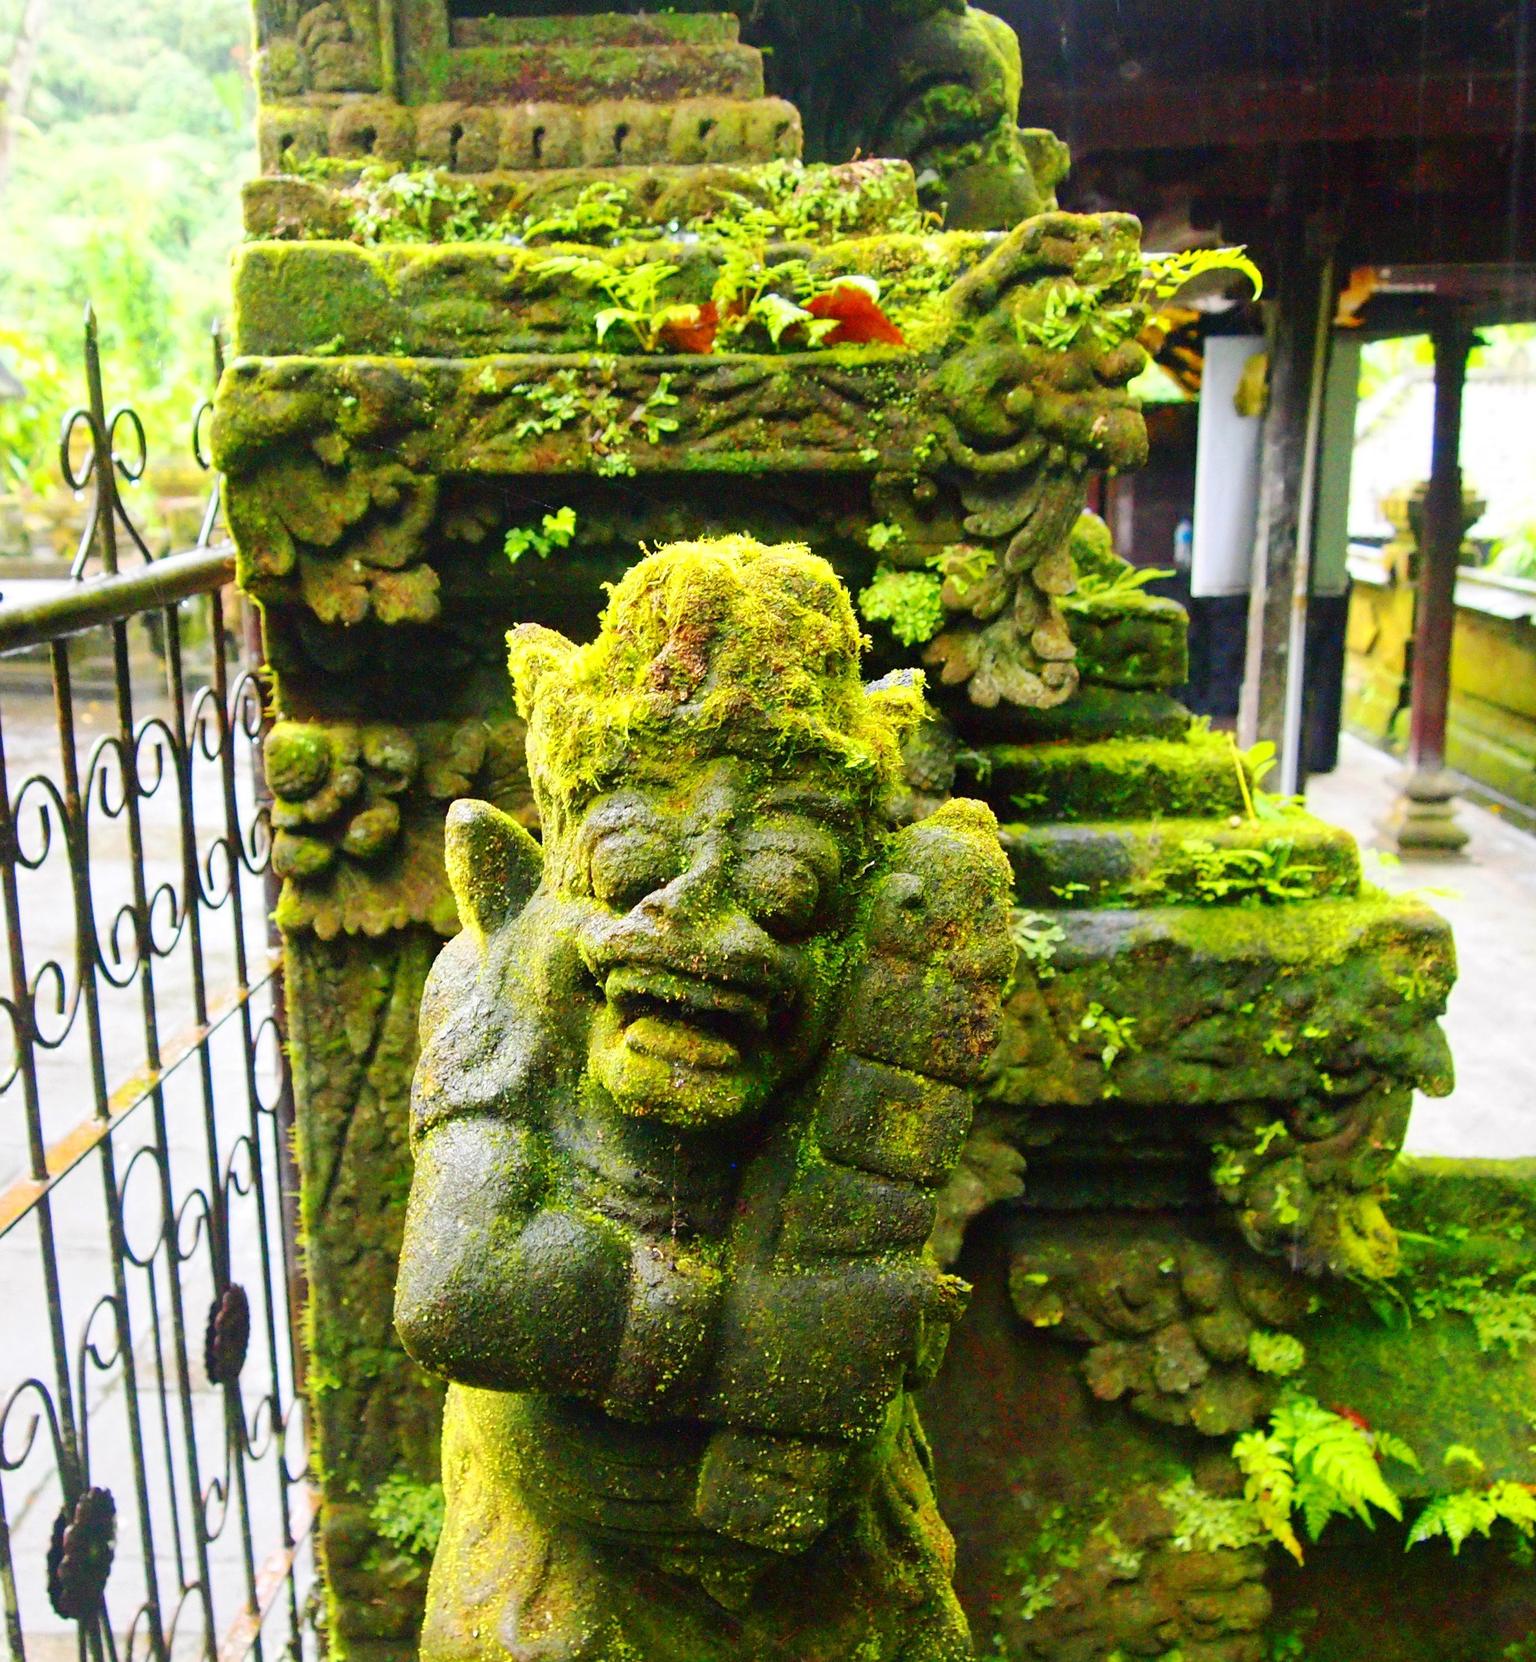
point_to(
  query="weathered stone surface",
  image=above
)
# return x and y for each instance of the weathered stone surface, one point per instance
(1141, 863)
(666, 1233)
(1282, 1045)
(1167, 1316)
(352, 1006)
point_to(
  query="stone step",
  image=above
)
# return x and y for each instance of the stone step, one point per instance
(606, 29)
(1217, 1007)
(1144, 863)
(593, 74)
(1121, 779)
(1092, 712)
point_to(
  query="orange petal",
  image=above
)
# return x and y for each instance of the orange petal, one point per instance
(859, 318)
(695, 334)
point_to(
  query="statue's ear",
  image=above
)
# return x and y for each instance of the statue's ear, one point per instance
(534, 654)
(493, 864)
(898, 698)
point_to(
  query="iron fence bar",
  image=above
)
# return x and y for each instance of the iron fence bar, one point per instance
(24, 1022)
(112, 599)
(218, 1200)
(145, 975)
(76, 843)
(66, 1152)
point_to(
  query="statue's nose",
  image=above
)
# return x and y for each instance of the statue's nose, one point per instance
(696, 924)
(701, 888)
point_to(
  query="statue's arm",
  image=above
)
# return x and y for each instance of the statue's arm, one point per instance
(500, 1286)
(822, 1351)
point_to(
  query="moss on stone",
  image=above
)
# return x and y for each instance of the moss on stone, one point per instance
(1142, 779)
(724, 644)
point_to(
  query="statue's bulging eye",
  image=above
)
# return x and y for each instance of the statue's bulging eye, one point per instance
(629, 865)
(781, 891)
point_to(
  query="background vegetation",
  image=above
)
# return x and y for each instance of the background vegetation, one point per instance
(122, 190)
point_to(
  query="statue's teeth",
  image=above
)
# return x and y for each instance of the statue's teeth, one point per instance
(671, 1040)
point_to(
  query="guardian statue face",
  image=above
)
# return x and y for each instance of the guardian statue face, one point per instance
(690, 1079)
(712, 904)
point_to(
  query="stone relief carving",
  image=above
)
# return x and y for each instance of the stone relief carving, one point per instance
(691, 1077)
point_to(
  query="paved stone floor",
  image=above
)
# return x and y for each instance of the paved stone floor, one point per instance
(1489, 896)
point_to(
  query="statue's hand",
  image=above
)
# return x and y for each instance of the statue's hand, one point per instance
(775, 1493)
(881, 1123)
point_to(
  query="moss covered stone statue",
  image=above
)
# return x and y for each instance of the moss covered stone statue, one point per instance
(690, 1078)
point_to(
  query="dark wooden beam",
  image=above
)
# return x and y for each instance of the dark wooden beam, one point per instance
(1103, 116)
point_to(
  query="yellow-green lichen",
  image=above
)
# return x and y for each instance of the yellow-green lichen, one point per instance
(729, 643)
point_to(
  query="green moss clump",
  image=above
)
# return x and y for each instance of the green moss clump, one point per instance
(728, 643)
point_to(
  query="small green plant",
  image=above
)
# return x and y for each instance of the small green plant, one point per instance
(1255, 764)
(1095, 589)
(1469, 1512)
(1319, 1465)
(1229, 1170)
(556, 530)
(1037, 1594)
(417, 204)
(1500, 1316)
(1288, 1643)
(1114, 1033)
(908, 601)
(409, 1514)
(883, 534)
(964, 568)
(1462, 1454)
(1414, 986)
(1099, 310)
(1204, 1522)
(635, 293)
(607, 425)
(1037, 938)
(593, 216)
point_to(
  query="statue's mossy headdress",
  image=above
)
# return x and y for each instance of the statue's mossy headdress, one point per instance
(709, 647)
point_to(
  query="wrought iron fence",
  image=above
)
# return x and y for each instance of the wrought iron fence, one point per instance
(153, 1496)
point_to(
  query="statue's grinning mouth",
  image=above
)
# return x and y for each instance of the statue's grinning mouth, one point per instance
(684, 1019)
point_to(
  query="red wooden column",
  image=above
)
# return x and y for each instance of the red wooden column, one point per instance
(1423, 820)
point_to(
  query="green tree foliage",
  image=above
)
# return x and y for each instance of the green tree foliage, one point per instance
(124, 193)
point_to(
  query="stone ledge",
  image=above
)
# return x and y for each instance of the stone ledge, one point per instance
(1230, 1006)
(1131, 779)
(1150, 863)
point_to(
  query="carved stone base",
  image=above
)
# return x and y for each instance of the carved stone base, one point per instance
(1423, 819)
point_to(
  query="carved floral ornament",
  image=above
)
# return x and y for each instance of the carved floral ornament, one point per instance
(978, 446)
